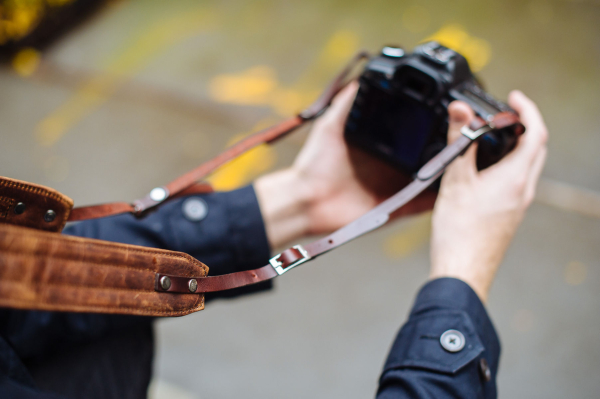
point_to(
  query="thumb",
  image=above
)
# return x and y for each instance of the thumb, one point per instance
(341, 104)
(460, 115)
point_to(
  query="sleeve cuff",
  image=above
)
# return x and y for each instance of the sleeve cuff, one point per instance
(248, 236)
(246, 243)
(224, 230)
(443, 305)
(229, 239)
(452, 293)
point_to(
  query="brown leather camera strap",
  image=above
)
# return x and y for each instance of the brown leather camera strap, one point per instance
(49, 271)
(186, 184)
(373, 219)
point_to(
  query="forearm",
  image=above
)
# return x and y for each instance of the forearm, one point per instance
(284, 202)
(469, 247)
(456, 263)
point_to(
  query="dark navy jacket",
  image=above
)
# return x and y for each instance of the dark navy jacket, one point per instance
(65, 355)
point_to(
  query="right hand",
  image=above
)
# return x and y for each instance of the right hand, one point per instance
(477, 212)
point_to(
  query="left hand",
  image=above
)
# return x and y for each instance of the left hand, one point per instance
(330, 184)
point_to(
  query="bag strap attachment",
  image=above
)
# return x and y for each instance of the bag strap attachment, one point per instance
(44, 270)
(33, 205)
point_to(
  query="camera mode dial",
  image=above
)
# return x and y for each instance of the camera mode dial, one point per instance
(437, 53)
(393, 51)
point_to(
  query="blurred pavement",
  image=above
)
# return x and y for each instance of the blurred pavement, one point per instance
(146, 90)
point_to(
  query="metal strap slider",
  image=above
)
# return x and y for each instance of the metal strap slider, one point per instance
(289, 259)
(474, 135)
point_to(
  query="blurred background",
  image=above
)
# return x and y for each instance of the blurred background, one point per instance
(103, 100)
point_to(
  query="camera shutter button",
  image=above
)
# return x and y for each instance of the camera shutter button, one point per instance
(442, 57)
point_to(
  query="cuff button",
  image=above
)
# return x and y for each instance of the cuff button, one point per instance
(484, 369)
(194, 209)
(452, 341)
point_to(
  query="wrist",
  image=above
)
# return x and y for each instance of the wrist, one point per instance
(472, 265)
(478, 283)
(284, 199)
(475, 260)
(475, 265)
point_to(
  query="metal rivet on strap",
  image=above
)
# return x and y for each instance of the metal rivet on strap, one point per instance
(50, 216)
(158, 194)
(165, 282)
(193, 285)
(20, 208)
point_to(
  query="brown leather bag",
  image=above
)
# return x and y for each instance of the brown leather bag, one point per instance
(50, 271)
(42, 269)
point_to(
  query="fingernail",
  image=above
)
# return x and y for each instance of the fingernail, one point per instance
(518, 93)
(458, 118)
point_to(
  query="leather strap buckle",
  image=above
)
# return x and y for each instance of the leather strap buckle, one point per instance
(289, 259)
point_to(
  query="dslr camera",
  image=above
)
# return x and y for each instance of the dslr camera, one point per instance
(400, 113)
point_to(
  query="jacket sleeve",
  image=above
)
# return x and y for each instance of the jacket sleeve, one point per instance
(447, 348)
(15, 381)
(224, 230)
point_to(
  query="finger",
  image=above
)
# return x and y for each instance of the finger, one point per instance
(460, 115)
(536, 134)
(521, 159)
(341, 104)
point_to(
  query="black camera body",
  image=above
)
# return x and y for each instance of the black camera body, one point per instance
(400, 113)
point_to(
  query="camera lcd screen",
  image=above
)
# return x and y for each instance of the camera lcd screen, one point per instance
(397, 127)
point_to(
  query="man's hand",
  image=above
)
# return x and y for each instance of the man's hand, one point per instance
(477, 213)
(329, 184)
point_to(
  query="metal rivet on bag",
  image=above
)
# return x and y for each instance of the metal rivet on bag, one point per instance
(50, 216)
(452, 341)
(165, 282)
(193, 285)
(20, 208)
